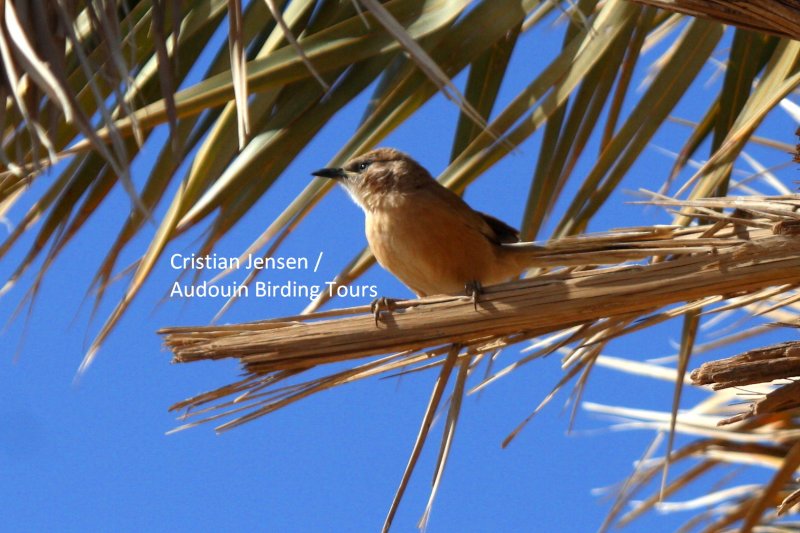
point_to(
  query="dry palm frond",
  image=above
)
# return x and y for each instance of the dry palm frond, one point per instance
(743, 253)
(769, 443)
(754, 366)
(743, 257)
(770, 16)
(779, 362)
(747, 255)
(766, 434)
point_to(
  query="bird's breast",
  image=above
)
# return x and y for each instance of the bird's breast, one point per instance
(433, 250)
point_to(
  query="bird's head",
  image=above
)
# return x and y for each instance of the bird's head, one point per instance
(379, 177)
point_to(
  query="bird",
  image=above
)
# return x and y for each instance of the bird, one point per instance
(424, 233)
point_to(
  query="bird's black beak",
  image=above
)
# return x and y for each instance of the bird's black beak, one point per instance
(329, 173)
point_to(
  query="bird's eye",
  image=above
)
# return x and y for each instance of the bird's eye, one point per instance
(363, 165)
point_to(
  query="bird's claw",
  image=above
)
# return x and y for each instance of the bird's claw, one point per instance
(379, 305)
(474, 289)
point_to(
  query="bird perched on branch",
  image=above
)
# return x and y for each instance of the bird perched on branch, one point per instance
(424, 233)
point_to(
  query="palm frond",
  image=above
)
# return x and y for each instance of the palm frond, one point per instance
(766, 16)
(734, 262)
(740, 258)
(88, 88)
(127, 80)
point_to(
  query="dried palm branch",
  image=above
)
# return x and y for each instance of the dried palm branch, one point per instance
(765, 435)
(781, 17)
(742, 253)
(746, 255)
(769, 442)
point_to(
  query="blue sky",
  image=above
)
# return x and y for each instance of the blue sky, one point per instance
(93, 455)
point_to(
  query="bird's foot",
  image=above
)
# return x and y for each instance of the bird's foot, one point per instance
(473, 289)
(379, 305)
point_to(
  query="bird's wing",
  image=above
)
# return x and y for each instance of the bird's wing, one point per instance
(494, 229)
(502, 232)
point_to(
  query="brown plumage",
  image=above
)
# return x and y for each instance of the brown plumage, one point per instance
(421, 231)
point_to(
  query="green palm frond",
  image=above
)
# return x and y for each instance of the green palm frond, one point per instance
(114, 75)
